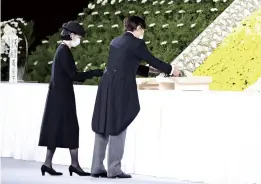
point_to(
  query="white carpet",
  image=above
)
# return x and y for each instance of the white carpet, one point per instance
(24, 172)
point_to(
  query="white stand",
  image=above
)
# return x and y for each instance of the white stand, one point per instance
(192, 83)
(13, 54)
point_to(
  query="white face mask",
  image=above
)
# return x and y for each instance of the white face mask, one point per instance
(76, 42)
(141, 37)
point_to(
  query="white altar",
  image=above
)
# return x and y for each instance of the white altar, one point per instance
(213, 137)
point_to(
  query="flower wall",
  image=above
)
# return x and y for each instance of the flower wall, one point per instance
(172, 26)
(236, 63)
(203, 46)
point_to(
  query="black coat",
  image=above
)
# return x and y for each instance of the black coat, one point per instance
(60, 124)
(117, 101)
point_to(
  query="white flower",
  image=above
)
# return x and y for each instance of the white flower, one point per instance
(155, 2)
(106, 13)
(215, 1)
(163, 43)
(20, 32)
(36, 62)
(151, 25)
(91, 6)
(100, 25)
(76, 63)
(157, 12)
(182, 11)
(224, 1)
(199, 11)
(44, 41)
(185, 1)
(81, 23)
(175, 41)
(180, 25)
(147, 42)
(95, 13)
(115, 25)
(90, 25)
(143, 1)
(117, 12)
(50, 62)
(198, 1)
(193, 25)
(113, 1)
(104, 3)
(89, 64)
(213, 9)
(99, 41)
(120, 1)
(85, 41)
(146, 12)
(171, 2)
(162, 2)
(131, 12)
(99, 1)
(165, 25)
(168, 11)
(81, 14)
(85, 68)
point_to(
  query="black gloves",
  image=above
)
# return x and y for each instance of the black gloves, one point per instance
(97, 72)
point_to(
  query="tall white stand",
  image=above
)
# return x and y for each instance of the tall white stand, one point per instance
(13, 55)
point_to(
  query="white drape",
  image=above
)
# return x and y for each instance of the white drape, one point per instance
(213, 137)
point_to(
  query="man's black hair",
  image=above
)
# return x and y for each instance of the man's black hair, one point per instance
(132, 22)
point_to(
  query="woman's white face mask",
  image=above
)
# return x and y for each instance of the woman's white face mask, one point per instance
(75, 41)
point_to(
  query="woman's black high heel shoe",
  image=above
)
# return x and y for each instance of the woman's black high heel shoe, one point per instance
(76, 171)
(50, 171)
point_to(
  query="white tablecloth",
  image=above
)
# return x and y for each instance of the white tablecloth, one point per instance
(213, 137)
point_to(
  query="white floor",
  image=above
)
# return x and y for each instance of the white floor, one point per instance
(24, 172)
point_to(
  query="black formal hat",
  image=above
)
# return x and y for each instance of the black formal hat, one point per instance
(74, 27)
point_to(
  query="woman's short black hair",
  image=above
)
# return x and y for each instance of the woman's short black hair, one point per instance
(65, 34)
(132, 22)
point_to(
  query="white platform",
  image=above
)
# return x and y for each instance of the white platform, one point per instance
(25, 172)
(212, 137)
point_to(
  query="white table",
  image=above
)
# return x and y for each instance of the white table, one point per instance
(213, 137)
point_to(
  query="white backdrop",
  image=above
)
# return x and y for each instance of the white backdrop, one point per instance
(213, 137)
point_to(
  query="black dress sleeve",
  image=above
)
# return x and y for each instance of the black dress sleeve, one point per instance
(143, 71)
(144, 54)
(69, 66)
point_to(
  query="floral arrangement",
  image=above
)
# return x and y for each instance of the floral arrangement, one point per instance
(23, 30)
(236, 63)
(172, 26)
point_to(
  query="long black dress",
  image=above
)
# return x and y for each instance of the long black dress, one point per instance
(60, 123)
(117, 101)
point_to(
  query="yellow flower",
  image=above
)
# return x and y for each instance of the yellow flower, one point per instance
(236, 63)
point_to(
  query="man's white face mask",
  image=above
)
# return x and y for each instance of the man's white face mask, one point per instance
(141, 33)
(141, 36)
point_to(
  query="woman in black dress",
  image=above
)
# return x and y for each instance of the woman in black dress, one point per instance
(60, 127)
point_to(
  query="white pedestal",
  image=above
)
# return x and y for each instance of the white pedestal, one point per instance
(193, 83)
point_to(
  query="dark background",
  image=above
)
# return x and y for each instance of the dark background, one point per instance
(48, 15)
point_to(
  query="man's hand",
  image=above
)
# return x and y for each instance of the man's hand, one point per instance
(176, 72)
